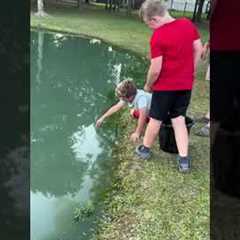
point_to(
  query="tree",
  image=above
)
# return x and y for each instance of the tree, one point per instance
(40, 56)
(40, 9)
(129, 6)
(200, 9)
(197, 13)
(208, 9)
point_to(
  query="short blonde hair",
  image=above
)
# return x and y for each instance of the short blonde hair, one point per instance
(126, 88)
(151, 8)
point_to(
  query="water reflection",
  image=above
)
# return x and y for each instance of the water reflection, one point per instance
(82, 149)
(71, 163)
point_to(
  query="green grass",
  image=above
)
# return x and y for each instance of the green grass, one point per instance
(149, 200)
(125, 31)
(152, 200)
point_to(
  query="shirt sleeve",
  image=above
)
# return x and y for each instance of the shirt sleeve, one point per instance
(155, 45)
(196, 34)
(142, 103)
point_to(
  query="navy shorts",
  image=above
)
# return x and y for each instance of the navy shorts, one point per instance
(171, 104)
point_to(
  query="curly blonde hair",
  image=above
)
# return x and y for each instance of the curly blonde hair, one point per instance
(126, 89)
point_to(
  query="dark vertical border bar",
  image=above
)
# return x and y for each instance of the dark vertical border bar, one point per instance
(15, 120)
(225, 120)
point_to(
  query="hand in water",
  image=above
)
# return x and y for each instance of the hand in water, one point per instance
(99, 122)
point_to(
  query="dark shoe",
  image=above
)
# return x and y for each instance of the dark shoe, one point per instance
(204, 131)
(143, 152)
(202, 120)
(183, 164)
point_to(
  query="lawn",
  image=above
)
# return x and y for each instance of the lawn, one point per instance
(150, 200)
(117, 28)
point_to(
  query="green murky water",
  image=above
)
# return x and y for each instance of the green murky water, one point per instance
(72, 83)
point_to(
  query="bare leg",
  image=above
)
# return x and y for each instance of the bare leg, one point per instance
(151, 132)
(181, 135)
(132, 112)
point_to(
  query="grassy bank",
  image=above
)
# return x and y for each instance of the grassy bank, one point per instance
(116, 28)
(150, 200)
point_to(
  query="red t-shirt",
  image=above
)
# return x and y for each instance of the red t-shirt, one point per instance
(174, 42)
(225, 33)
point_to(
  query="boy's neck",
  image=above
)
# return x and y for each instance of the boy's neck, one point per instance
(166, 19)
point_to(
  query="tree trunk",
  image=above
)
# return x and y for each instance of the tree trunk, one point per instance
(171, 6)
(79, 3)
(199, 11)
(195, 10)
(40, 56)
(209, 10)
(40, 9)
(129, 6)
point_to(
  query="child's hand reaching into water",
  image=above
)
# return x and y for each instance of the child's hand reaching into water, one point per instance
(99, 122)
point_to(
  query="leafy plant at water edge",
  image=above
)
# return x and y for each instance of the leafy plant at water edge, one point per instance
(83, 212)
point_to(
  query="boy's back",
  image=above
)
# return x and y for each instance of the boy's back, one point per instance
(174, 41)
(141, 100)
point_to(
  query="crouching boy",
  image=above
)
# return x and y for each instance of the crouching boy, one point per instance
(138, 100)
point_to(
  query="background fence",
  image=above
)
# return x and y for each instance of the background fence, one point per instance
(177, 5)
(186, 5)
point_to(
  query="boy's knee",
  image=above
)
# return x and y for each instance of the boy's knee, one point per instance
(178, 121)
(154, 124)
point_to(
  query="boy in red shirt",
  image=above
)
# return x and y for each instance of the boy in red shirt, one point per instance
(175, 50)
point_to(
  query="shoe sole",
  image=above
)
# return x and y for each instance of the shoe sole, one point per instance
(184, 171)
(144, 158)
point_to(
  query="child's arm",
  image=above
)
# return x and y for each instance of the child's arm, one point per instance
(115, 108)
(140, 125)
(197, 52)
(205, 51)
(153, 72)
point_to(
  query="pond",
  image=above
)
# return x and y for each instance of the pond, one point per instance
(72, 83)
